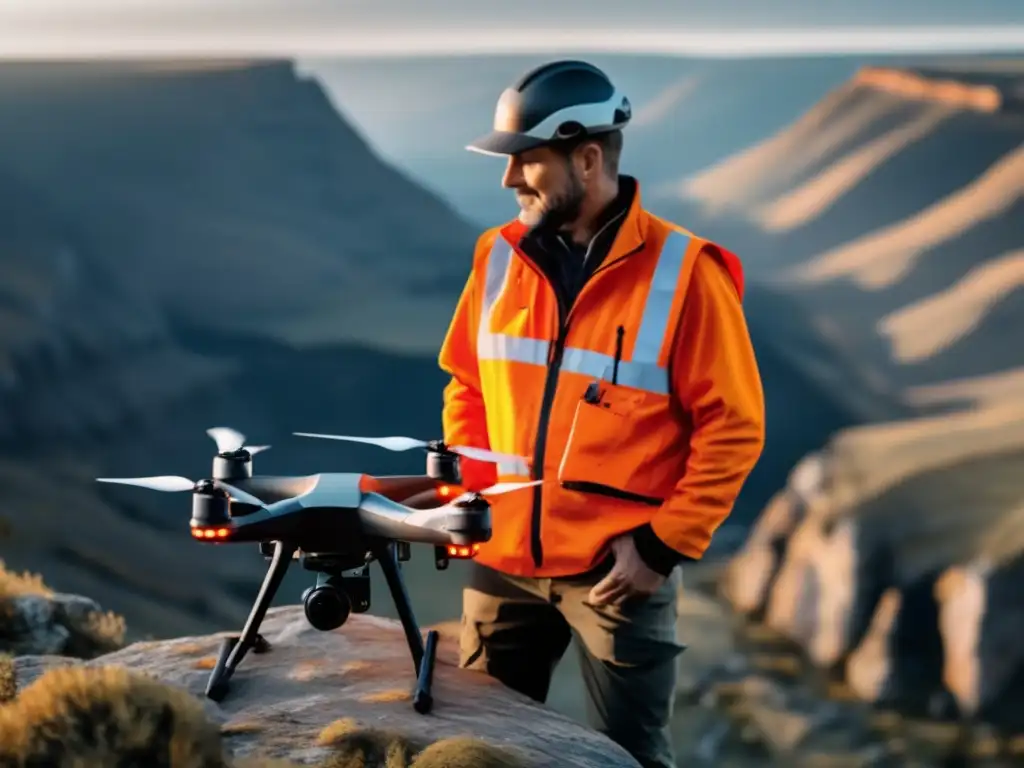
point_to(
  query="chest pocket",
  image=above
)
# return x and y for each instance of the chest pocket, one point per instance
(608, 447)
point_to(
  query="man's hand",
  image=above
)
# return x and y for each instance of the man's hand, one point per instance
(629, 577)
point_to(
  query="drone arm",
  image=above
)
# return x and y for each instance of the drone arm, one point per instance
(381, 516)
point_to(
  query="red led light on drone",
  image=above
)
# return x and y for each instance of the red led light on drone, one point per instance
(463, 552)
(210, 533)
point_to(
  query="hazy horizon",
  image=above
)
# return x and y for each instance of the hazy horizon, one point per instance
(399, 28)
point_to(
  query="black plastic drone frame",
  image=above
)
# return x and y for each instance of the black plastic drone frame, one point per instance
(335, 524)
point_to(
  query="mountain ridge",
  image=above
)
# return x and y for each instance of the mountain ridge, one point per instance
(891, 553)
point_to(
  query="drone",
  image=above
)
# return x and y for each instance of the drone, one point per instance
(336, 525)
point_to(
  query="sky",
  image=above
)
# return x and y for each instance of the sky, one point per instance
(709, 28)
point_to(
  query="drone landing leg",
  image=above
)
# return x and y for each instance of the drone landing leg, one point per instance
(233, 649)
(424, 655)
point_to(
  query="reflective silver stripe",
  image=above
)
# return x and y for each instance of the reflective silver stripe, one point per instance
(631, 374)
(516, 349)
(498, 346)
(641, 371)
(498, 262)
(654, 323)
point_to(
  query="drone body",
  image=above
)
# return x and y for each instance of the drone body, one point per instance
(336, 524)
(332, 510)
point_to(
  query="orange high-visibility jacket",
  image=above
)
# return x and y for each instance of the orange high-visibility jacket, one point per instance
(658, 334)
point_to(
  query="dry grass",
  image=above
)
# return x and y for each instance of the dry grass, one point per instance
(358, 747)
(104, 716)
(466, 752)
(103, 633)
(17, 584)
(8, 679)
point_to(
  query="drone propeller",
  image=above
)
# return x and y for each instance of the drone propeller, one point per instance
(176, 483)
(496, 490)
(230, 440)
(499, 488)
(408, 443)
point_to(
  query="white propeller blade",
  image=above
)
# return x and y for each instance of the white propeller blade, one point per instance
(391, 443)
(481, 454)
(227, 439)
(500, 488)
(230, 440)
(408, 443)
(173, 483)
(155, 482)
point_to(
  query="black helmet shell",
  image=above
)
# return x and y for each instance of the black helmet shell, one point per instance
(557, 101)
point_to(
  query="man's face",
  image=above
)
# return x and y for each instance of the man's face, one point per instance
(547, 187)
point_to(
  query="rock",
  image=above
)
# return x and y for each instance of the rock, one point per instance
(899, 661)
(790, 602)
(751, 572)
(899, 565)
(981, 620)
(899, 538)
(281, 702)
(36, 621)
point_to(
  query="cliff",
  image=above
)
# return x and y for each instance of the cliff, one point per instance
(184, 245)
(889, 220)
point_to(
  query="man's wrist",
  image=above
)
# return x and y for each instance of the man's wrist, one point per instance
(656, 554)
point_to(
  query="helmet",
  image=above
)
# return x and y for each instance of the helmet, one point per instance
(555, 102)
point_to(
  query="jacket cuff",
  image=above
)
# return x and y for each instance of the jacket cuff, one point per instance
(656, 554)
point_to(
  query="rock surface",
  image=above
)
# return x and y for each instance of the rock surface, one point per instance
(981, 621)
(282, 700)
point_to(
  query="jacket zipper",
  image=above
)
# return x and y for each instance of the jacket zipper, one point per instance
(540, 444)
(547, 401)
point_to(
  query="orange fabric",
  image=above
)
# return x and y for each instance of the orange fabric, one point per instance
(677, 432)
(718, 384)
(464, 415)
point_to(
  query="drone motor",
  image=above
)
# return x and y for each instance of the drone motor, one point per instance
(234, 459)
(233, 465)
(211, 507)
(443, 465)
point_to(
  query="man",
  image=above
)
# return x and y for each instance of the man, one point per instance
(607, 347)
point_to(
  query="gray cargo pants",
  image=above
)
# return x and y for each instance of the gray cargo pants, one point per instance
(517, 629)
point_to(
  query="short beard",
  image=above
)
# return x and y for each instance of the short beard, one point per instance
(563, 209)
